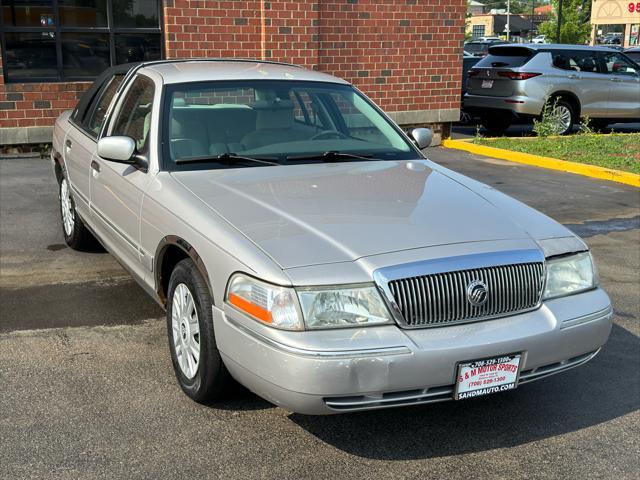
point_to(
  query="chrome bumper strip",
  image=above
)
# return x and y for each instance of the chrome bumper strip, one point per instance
(592, 317)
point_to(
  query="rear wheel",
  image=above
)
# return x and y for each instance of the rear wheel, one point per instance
(76, 234)
(495, 126)
(565, 114)
(196, 360)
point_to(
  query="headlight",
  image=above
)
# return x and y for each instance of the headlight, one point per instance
(270, 304)
(569, 275)
(343, 307)
(313, 308)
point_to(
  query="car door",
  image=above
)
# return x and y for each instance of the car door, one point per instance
(80, 143)
(584, 79)
(624, 78)
(117, 189)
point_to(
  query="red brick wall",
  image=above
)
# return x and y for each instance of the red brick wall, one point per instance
(36, 104)
(405, 54)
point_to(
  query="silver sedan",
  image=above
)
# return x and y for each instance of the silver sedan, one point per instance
(303, 245)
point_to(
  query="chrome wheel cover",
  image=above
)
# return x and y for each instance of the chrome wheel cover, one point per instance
(66, 207)
(563, 115)
(185, 331)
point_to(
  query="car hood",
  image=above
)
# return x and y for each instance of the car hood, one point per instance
(313, 214)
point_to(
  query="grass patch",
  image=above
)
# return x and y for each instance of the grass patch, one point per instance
(620, 151)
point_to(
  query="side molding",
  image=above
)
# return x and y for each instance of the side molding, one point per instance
(182, 244)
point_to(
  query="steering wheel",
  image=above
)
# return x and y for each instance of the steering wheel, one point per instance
(328, 134)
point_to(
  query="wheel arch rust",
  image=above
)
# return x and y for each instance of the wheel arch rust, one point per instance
(171, 250)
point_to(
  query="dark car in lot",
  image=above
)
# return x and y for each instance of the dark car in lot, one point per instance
(480, 48)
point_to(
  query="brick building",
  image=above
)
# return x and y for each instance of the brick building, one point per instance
(405, 54)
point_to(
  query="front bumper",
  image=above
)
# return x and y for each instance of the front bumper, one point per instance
(333, 371)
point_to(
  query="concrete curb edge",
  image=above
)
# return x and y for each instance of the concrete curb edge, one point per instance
(545, 162)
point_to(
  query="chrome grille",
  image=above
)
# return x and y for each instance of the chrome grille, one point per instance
(441, 298)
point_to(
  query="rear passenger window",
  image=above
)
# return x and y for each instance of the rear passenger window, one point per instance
(506, 57)
(99, 110)
(576, 61)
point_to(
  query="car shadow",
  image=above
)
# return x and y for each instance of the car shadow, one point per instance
(604, 389)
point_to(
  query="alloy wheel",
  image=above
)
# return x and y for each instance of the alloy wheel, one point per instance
(66, 206)
(563, 114)
(185, 330)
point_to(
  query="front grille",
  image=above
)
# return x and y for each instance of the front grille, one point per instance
(441, 298)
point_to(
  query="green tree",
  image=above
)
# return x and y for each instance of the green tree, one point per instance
(575, 27)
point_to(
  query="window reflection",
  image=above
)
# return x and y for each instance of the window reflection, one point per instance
(84, 54)
(137, 47)
(136, 13)
(28, 13)
(83, 13)
(30, 55)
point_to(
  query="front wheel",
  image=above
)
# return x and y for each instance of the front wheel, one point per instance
(196, 360)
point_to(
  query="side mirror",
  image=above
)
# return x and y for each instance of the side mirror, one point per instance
(422, 137)
(117, 149)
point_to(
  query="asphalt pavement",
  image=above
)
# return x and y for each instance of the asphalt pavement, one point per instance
(87, 389)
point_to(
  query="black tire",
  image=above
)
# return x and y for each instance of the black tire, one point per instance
(495, 126)
(212, 379)
(78, 236)
(564, 104)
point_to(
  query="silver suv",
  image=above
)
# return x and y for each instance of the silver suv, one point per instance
(512, 83)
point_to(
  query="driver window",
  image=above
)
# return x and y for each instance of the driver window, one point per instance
(134, 117)
(618, 64)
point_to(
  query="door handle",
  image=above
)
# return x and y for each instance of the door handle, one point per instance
(615, 79)
(68, 143)
(573, 76)
(95, 166)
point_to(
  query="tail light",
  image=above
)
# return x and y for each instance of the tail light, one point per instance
(473, 73)
(518, 75)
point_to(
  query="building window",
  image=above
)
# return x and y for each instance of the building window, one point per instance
(477, 31)
(62, 40)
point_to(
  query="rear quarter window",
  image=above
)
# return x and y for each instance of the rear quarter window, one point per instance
(506, 57)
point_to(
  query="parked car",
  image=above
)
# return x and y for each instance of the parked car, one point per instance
(633, 53)
(539, 39)
(513, 83)
(302, 244)
(468, 61)
(480, 48)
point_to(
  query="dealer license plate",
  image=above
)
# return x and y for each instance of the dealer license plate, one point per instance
(487, 83)
(491, 375)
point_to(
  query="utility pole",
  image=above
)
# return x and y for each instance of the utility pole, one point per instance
(533, 13)
(508, 20)
(559, 21)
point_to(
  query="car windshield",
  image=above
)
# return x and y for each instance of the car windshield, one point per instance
(227, 124)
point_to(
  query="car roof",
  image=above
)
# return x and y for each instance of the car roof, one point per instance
(632, 49)
(200, 70)
(556, 46)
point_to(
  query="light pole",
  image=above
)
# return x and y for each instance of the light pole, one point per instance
(508, 28)
(559, 21)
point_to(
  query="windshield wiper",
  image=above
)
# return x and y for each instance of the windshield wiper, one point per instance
(331, 156)
(229, 158)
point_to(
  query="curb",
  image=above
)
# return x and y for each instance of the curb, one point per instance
(586, 170)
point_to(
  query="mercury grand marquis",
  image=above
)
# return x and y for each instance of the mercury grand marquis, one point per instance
(303, 245)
